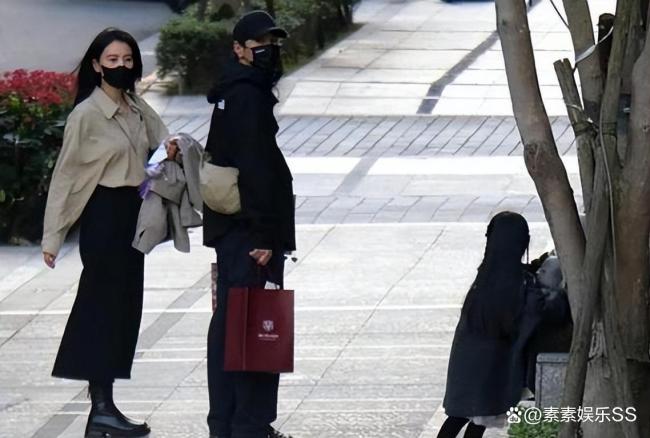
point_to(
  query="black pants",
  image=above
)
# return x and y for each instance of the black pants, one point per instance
(102, 331)
(242, 404)
(452, 426)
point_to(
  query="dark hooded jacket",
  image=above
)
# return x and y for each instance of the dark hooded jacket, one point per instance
(242, 135)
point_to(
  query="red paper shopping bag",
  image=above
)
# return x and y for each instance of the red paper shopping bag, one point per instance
(259, 330)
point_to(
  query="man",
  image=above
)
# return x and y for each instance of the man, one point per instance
(251, 244)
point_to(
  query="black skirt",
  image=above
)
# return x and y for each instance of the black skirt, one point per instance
(102, 330)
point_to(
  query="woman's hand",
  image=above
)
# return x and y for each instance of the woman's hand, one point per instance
(49, 259)
(261, 256)
(172, 149)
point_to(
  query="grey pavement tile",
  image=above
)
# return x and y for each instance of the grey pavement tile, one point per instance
(482, 209)
(355, 137)
(308, 186)
(409, 136)
(27, 298)
(487, 129)
(304, 219)
(354, 58)
(424, 370)
(413, 321)
(418, 59)
(18, 425)
(377, 133)
(421, 141)
(385, 216)
(328, 146)
(285, 122)
(330, 217)
(345, 203)
(195, 124)
(516, 203)
(358, 218)
(424, 209)
(381, 186)
(491, 144)
(388, 140)
(376, 390)
(298, 140)
(456, 143)
(294, 129)
(42, 326)
(447, 133)
(453, 209)
(315, 205)
(454, 185)
(356, 424)
(159, 374)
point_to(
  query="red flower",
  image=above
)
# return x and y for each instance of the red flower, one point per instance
(43, 87)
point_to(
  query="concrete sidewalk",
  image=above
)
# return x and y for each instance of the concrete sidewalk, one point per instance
(415, 57)
(375, 313)
(391, 211)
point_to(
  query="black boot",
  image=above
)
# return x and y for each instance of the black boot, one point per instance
(106, 421)
(273, 433)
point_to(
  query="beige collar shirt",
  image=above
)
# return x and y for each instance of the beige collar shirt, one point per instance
(103, 144)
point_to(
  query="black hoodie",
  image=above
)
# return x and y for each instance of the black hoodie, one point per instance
(242, 135)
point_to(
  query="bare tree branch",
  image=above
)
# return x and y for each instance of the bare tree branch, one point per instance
(582, 34)
(597, 231)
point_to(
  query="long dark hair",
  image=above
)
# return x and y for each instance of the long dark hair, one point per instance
(87, 77)
(494, 302)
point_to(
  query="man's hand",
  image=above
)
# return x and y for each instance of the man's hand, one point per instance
(49, 259)
(261, 256)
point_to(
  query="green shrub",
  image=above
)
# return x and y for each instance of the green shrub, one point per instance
(33, 109)
(194, 50)
(541, 430)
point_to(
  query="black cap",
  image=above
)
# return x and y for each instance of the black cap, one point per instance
(254, 25)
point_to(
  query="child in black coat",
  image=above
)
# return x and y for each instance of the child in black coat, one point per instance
(488, 364)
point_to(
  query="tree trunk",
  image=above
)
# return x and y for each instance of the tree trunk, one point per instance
(616, 258)
(540, 152)
(633, 217)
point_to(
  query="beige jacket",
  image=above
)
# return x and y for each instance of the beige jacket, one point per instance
(173, 203)
(101, 146)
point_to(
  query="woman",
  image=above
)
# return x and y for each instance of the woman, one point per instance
(107, 139)
(487, 367)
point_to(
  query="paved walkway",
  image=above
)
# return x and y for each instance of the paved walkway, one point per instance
(392, 209)
(376, 310)
(428, 57)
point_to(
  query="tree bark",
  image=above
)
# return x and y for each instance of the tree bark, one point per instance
(597, 231)
(582, 34)
(615, 344)
(583, 129)
(633, 218)
(540, 152)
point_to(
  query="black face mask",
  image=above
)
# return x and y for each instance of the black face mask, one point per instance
(119, 77)
(268, 58)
